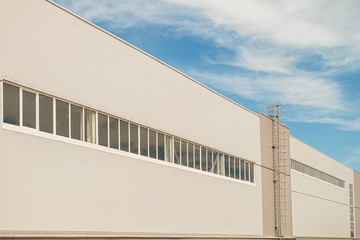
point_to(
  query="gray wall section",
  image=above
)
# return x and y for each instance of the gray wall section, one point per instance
(267, 176)
(267, 179)
(357, 202)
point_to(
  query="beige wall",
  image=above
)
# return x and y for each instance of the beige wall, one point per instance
(60, 187)
(44, 47)
(320, 209)
(50, 185)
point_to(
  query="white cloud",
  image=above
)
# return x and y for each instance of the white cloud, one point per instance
(322, 23)
(266, 37)
(342, 123)
(302, 91)
(354, 156)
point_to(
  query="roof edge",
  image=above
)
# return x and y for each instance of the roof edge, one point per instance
(148, 55)
(323, 153)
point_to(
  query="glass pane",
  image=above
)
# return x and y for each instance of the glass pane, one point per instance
(114, 133)
(215, 162)
(169, 148)
(62, 118)
(124, 136)
(203, 159)
(176, 151)
(183, 153)
(134, 139)
(161, 146)
(252, 172)
(226, 159)
(209, 161)
(232, 165)
(76, 122)
(242, 171)
(11, 104)
(143, 141)
(197, 157)
(152, 144)
(246, 171)
(191, 155)
(103, 129)
(29, 109)
(236, 168)
(46, 114)
(221, 170)
(90, 126)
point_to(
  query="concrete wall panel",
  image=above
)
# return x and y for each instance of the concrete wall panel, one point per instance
(54, 186)
(320, 209)
(62, 55)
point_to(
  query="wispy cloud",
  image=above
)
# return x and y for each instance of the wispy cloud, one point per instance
(305, 91)
(342, 123)
(354, 156)
(298, 47)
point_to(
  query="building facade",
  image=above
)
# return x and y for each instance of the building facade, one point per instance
(101, 140)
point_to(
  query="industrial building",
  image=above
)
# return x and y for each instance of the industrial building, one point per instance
(99, 139)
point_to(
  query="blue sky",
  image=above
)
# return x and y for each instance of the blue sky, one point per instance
(305, 54)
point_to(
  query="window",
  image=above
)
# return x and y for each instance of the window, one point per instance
(169, 147)
(161, 146)
(76, 122)
(176, 150)
(20, 107)
(209, 161)
(191, 155)
(236, 168)
(103, 129)
(221, 164)
(246, 171)
(46, 114)
(203, 158)
(226, 159)
(11, 104)
(62, 118)
(215, 162)
(124, 136)
(242, 171)
(29, 109)
(144, 142)
(232, 165)
(152, 144)
(351, 198)
(251, 172)
(183, 153)
(134, 138)
(90, 126)
(197, 157)
(300, 167)
(114, 133)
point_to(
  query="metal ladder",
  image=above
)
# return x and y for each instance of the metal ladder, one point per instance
(279, 145)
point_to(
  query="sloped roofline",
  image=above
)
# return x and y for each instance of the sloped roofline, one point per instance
(148, 55)
(323, 153)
